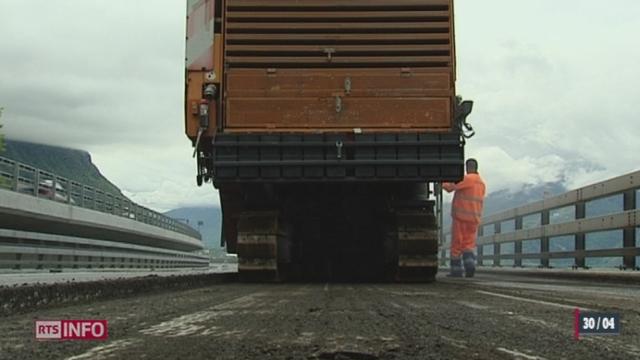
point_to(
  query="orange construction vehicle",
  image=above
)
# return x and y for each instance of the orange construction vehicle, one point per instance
(327, 127)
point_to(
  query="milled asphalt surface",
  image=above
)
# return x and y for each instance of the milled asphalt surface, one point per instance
(492, 316)
(12, 278)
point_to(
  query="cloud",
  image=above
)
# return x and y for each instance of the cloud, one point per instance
(555, 85)
(160, 177)
(106, 77)
(554, 90)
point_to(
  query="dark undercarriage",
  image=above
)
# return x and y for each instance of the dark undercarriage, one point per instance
(333, 207)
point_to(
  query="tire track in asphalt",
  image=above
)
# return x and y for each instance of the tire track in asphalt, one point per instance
(178, 326)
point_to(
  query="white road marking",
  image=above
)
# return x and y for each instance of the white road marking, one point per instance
(395, 305)
(411, 293)
(519, 355)
(190, 324)
(326, 287)
(531, 320)
(460, 344)
(540, 302)
(522, 318)
(473, 305)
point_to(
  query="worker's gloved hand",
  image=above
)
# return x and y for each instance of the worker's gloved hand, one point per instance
(456, 268)
(469, 261)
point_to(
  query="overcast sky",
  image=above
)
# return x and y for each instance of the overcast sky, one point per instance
(555, 85)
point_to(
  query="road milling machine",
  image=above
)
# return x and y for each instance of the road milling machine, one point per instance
(327, 127)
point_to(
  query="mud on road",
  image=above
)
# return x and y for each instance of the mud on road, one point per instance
(490, 317)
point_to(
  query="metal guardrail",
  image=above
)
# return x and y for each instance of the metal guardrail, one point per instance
(540, 225)
(28, 250)
(28, 180)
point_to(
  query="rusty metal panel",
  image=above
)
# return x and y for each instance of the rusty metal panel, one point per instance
(338, 112)
(327, 16)
(336, 33)
(335, 4)
(306, 64)
(334, 82)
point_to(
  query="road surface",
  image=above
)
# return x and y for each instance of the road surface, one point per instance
(493, 316)
(11, 278)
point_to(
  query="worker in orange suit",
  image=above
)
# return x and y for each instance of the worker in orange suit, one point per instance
(466, 211)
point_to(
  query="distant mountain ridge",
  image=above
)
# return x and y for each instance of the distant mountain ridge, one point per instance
(211, 217)
(207, 220)
(502, 200)
(506, 199)
(72, 164)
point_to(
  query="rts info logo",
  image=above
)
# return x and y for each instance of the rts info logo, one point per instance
(71, 330)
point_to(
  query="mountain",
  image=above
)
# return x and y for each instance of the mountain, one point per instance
(71, 164)
(494, 202)
(506, 199)
(76, 165)
(499, 201)
(211, 217)
(207, 220)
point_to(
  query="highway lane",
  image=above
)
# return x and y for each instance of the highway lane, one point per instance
(489, 317)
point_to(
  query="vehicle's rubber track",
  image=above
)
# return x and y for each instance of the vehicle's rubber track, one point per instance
(417, 239)
(414, 233)
(258, 238)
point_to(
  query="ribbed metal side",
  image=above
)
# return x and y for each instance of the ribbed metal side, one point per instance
(339, 33)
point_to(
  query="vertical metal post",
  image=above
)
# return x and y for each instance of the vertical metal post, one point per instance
(629, 234)
(479, 247)
(518, 244)
(54, 182)
(36, 182)
(580, 237)
(544, 240)
(111, 203)
(68, 191)
(437, 188)
(16, 176)
(496, 246)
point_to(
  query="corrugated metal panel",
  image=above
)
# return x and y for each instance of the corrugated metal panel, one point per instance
(338, 34)
(311, 64)
(322, 82)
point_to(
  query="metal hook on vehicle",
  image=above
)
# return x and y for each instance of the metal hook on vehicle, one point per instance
(338, 104)
(329, 52)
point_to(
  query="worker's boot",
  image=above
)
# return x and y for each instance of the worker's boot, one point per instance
(456, 268)
(469, 261)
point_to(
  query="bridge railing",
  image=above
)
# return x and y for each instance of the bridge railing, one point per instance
(588, 227)
(29, 180)
(27, 250)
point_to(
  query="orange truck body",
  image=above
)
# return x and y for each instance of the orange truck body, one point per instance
(316, 66)
(325, 125)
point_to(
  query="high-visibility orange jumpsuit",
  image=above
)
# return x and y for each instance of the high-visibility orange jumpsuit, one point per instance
(466, 211)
